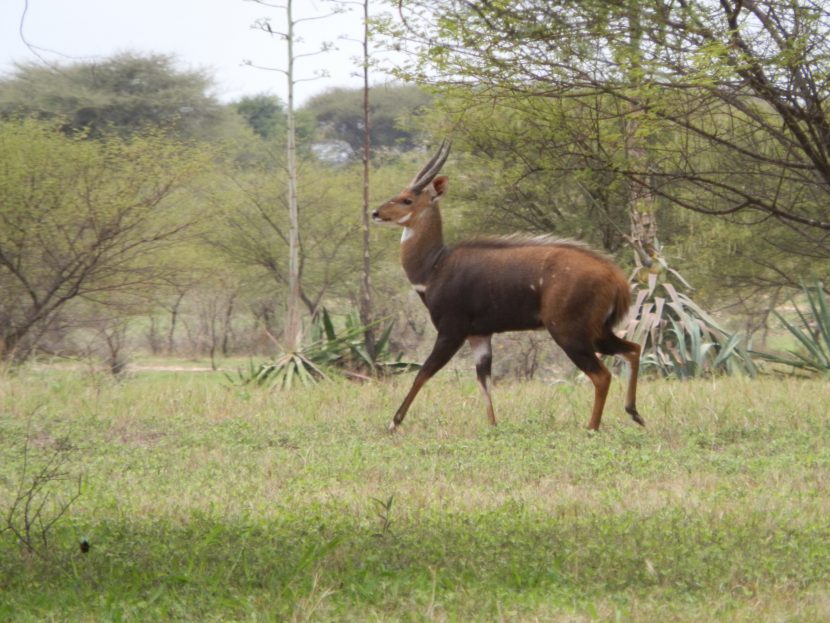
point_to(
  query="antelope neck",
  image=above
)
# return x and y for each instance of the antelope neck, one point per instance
(424, 247)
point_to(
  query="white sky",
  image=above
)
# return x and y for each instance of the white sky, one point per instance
(214, 35)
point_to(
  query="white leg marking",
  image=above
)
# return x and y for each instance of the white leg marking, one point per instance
(481, 348)
(420, 287)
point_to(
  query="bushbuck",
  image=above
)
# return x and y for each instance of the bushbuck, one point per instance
(490, 285)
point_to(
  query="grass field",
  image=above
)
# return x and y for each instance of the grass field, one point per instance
(203, 502)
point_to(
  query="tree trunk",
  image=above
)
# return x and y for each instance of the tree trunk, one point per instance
(226, 325)
(174, 316)
(292, 329)
(366, 295)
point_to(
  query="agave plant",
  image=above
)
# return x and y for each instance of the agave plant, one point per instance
(347, 349)
(680, 339)
(327, 350)
(288, 369)
(811, 331)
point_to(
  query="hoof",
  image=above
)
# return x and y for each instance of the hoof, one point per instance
(632, 411)
(392, 427)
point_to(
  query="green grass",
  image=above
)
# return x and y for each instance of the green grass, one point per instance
(208, 503)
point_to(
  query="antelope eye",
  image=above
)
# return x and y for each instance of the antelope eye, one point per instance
(408, 201)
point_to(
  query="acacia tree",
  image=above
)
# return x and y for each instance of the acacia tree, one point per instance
(81, 220)
(339, 113)
(729, 95)
(122, 94)
(264, 114)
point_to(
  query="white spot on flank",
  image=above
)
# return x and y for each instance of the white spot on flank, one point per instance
(407, 234)
(540, 281)
(405, 218)
(533, 287)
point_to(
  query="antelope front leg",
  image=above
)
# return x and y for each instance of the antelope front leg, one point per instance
(445, 347)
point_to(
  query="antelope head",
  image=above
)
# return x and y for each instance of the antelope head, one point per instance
(423, 191)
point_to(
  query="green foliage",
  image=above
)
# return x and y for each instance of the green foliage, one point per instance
(265, 114)
(679, 339)
(339, 115)
(122, 94)
(384, 514)
(811, 331)
(517, 169)
(247, 223)
(249, 204)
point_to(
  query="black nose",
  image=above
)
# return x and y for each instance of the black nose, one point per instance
(375, 215)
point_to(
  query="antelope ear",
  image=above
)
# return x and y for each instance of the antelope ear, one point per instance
(440, 185)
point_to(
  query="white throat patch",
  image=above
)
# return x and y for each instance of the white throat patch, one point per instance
(408, 232)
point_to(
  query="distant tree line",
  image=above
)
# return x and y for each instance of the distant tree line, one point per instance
(129, 93)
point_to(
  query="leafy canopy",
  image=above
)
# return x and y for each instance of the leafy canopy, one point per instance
(125, 93)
